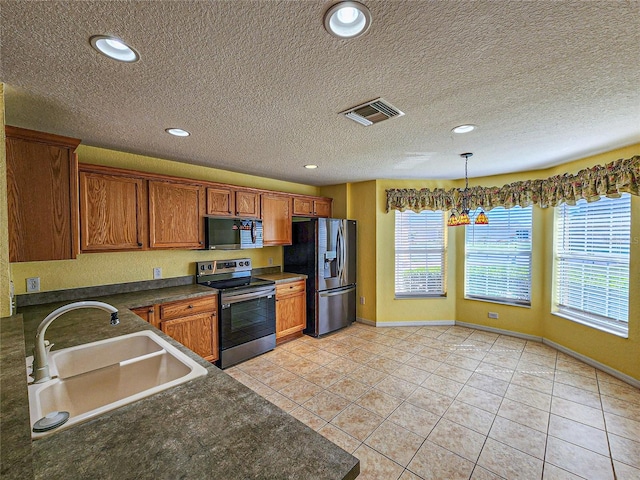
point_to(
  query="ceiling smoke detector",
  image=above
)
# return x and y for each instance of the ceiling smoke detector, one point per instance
(372, 112)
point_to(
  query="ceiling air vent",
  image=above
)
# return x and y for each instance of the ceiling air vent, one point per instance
(372, 112)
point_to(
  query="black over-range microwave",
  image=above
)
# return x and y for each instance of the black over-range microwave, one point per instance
(232, 233)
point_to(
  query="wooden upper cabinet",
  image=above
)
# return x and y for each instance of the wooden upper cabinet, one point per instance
(42, 195)
(113, 212)
(220, 202)
(322, 208)
(302, 206)
(228, 202)
(276, 219)
(176, 212)
(312, 206)
(247, 204)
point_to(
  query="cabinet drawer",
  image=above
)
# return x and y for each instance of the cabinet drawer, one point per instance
(184, 308)
(290, 288)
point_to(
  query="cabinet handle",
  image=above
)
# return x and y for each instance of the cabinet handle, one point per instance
(151, 310)
(190, 306)
(139, 244)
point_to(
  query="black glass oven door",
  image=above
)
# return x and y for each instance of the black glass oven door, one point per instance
(246, 319)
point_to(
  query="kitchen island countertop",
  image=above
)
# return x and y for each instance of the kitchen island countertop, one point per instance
(212, 427)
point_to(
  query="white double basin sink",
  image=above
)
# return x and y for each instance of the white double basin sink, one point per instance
(91, 379)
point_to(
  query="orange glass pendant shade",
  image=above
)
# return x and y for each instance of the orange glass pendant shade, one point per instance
(482, 219)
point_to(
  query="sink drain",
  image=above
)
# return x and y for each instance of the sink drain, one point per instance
(50, 421)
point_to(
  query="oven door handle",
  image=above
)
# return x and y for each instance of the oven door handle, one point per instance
(243, 297)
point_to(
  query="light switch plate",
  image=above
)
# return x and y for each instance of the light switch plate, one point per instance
(157, 273)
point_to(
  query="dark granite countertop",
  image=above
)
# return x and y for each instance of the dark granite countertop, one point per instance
(283, 277)
(211, 427)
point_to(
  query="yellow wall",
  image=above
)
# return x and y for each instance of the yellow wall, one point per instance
(414, 309)
(109, 268)
(339, 194)
(376, 272)
(362, 209)
(5, 273)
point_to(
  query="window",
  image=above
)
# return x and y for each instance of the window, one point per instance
(420, 254)
(498, 257)
(592, 244)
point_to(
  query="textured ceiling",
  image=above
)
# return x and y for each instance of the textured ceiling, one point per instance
(259, 84)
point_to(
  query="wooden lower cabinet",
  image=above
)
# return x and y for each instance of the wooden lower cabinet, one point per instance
(192, 322)
(195, 332)
(291, 309)
(147, 314)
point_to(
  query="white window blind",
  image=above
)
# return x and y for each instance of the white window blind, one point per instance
(592, 244)
(498, 257)
(420, 254)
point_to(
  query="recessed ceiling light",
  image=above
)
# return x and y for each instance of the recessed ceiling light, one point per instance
(347, 19)
(463, 129)
(178, 132)
(311, 166)
(114, 48)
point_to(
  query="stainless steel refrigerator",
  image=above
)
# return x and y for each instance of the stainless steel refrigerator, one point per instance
(325, 250)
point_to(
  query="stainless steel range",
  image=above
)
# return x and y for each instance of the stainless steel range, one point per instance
(246, 309)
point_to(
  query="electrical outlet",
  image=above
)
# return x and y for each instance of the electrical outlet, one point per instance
(33, 284)
(157, 273)
(270, 261)
(361, 300)
(493, 315)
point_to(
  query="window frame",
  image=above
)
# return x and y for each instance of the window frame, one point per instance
(516, 253)
(440, 250)
(588, 260)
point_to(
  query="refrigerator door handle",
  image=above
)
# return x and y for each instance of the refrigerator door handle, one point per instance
(339, 254)
(342, 254)
(332, 293)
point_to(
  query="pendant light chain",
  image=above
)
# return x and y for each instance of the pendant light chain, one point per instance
(462, 218)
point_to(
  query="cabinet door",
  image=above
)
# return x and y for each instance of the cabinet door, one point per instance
(148, 314)
(176, 214)
(291, 308)
(322, 208)
(302, 206)
(195, 332)
(276, 219)
(220, 202)
(112, 212)
(247, 204)
(42, 195)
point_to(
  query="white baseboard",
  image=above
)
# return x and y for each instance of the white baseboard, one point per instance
(500, 331)
(594, 363)
(416, 323)
(534, 338)
(365, 321)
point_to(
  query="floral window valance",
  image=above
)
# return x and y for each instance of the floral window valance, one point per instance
(611, 180)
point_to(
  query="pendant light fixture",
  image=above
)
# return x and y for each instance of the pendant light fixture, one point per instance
(458, 218)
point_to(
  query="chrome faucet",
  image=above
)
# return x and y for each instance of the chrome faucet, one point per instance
(40, 364)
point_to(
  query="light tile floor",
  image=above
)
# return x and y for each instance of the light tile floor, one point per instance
(447, 403)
